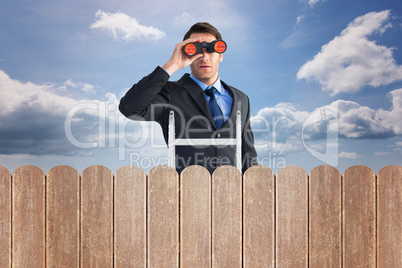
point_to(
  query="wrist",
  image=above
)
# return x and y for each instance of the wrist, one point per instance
(170, 68)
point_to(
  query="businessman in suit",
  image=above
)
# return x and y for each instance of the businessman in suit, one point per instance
(204, 106)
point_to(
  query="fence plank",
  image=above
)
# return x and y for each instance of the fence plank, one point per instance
(5, 217)
(259, 217)
(163, 217)
(291, 217)
(226, 217)
(325, 214)
(359, 217)
(130, 217)
(63, 218)
(97, 217)
(389, 207)
(195, 217)
(28, 217)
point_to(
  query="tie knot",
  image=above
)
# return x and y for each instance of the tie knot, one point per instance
(210, 91)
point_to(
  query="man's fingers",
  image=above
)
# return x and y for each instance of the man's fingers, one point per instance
(196, 56)
(191, 40)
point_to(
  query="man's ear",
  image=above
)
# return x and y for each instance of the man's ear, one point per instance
(220, 57)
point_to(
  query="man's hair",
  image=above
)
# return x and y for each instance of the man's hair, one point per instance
(203, 27)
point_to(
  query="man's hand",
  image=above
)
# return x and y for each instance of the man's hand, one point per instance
(179, 59)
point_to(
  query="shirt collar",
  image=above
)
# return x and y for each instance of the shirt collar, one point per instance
(217, 84)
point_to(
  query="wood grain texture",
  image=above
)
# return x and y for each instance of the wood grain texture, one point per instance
(389, 215)
(5, 217)
(163, 217)
(291, 217)
(226, 217)
(259, 217)
(325, 217)
(195, 217)
(130, 217)
(359, 217)
(62, 217)
(291, 220)
(97, 217)
(28, 217)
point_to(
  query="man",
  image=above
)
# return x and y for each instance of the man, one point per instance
(153, 97)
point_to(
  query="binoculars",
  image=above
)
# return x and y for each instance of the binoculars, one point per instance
(218, 46)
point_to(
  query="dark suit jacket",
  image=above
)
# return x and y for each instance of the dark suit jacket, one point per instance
(153, 97)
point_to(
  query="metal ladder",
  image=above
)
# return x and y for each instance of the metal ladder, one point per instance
(173, 142)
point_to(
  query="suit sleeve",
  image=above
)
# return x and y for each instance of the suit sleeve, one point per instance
(147, 99)
(249, 154)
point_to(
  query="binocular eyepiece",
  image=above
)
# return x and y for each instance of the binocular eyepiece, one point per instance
(218, 46)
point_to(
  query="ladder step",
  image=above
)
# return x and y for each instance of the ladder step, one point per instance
(205, 142)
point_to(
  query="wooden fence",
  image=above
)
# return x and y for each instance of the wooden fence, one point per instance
(290, 219)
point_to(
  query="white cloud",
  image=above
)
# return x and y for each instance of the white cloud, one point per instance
(32, 117)
(124, 27)
(279, 129)
(313, 2)
(349, 155)
(396, 147)
(17, 95)
(300, 18)
(87, 88)
(356, 121)
(184, 19)
(38, 120)
(382, 153)
(351, 61)
(392, 118)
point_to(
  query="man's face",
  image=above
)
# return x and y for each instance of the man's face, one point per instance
(205, 68)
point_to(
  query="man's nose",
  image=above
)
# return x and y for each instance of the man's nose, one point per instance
(205, 54)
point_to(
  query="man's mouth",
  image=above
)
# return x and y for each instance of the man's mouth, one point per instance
(204, 66)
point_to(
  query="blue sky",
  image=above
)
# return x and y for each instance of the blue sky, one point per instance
(324, 79)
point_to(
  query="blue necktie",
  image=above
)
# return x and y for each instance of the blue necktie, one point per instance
(216, 111)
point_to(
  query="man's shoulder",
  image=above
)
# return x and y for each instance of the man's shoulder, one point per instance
(186, 80)
(240, 94)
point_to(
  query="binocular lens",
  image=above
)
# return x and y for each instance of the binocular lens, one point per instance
(190, 49)
(220, 46)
